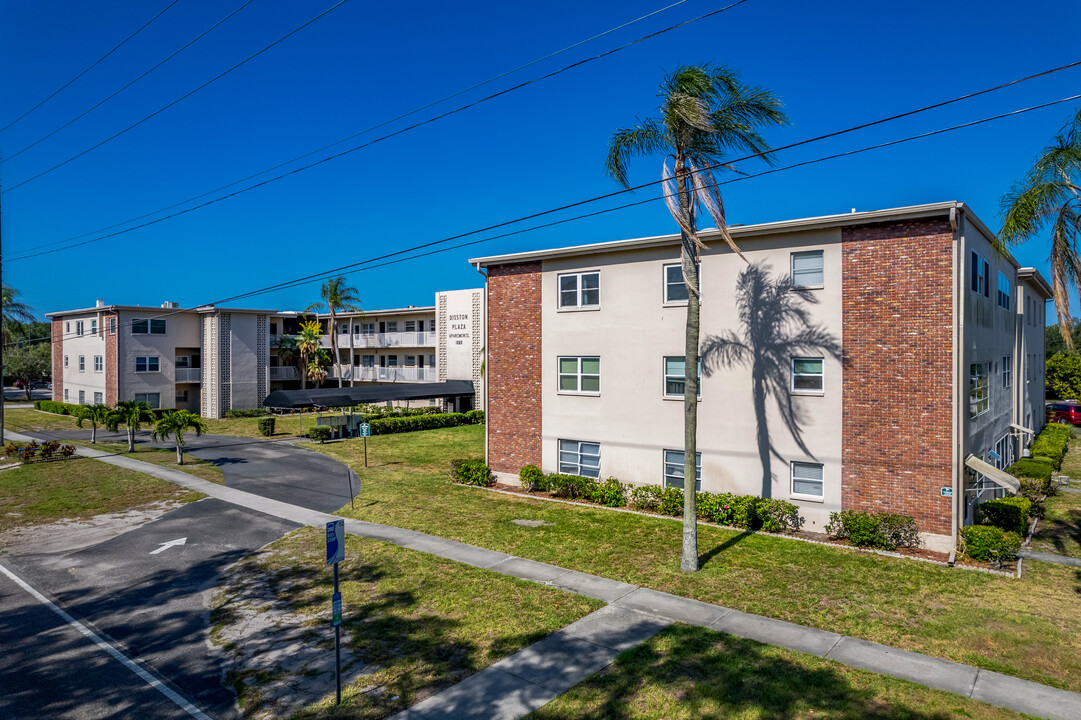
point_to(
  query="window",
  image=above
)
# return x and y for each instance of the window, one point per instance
(807, 480)
(112, 326)
(65, 361)
(367, 360)
(807, 375)
(98, 400)
(82, 363)
(392, 326)
(675, 376)
(151, 363)
(673, 469)
(410, 360)
(392, 361)
(1004, 450)
(82, 397)
(580, 458)
(410, 325)
(420, 326)
(977, 389)
(157, 326)
(273, 328)
(580, 374)
(1007, 371)
(153, 326)
(182, 361)
(93, 327)
(98, 364)
(580, 290)
(675, 288)
(367, 328)
(980, 271)
(67, 327)
(65, 394)
(1003, 291)
(79, 328)
(181, 396)
(807, 269)
(151, 399)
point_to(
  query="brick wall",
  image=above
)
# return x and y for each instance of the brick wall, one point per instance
(897, 390)
(112, 370)
(514, 366)
(58, 360)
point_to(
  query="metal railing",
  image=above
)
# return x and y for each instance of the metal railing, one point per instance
(394, 339)
(283, 373)
(386, 374)
(189, 375)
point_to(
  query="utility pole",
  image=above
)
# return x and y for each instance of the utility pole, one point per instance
(2, 312)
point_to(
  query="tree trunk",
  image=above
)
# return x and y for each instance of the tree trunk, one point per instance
(334, 344)
(689, 257)
(179, 454)
(131, 439)
(93, 433)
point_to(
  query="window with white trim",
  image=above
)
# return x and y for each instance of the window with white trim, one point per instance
(675, 285)
(98, 398)
(579, 374)
(392, 361)
(808, 270)
(93, 327)
(65, 394)
(82, 397)
(580, 290)
(410, 360)
(1003, 291)
(807, 374)
(392, 326)
(673, 469)
(367, 328)
(410, 325)
(79, 328)
(1004, 450)
(112, 326)
(580, 458)
(807, 480)
(977, 389)
(99, 364)
(675, 376)
(151, 399)
(150, 363)
(82, 363)
(980, 274)
(65, 361)
(145, 326)
(367, 361)
(1007, 371)
(67, 327)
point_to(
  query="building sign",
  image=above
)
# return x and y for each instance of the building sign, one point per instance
(460, 323)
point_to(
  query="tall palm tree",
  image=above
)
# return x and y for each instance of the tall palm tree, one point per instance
(337, 297)
(13, 310)
(1051, 194)
(96, 415)
(130, 414)
(309, 342)
(176, 424)
(705, 113)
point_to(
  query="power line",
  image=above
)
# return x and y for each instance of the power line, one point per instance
(102, 102)
(179, 99)
(394, 257)
(818, 138)
(92, 66)
(371, 128)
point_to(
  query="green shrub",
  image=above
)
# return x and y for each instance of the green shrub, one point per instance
(320, 433)
(58, 408)
(247, 413)
(531, 478)
(671, 502)
(776, 515)
(610, 493)
(571, 487)
(646, 497)
(266, 426)
(1008, 513)
(988, 543)
(1051, 443)
(410, 423)
(1035, 491)
(1032, 468)
(475, 417)
(37, 404)
(882, 530)
(471, 472)
(731, 509)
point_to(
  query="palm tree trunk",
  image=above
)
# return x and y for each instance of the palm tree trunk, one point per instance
(179, 454)
(689, 562)
(334, 344)
(93, 433)
(131, 439)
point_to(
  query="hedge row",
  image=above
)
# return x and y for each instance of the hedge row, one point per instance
(247, 413)
(1008, 513)
(882, 530)
(989, 544)
(410, 423)
(1047, 450)
(62, 408)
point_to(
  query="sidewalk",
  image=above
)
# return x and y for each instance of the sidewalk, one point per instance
(521, 683)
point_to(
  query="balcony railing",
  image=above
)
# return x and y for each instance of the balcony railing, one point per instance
(395, 339)
(386, 374)
(283, 373)
(189, 375)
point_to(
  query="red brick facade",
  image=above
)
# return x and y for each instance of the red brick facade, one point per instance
(897, 389)
(58, 360)
(112, 370)
(514, 366)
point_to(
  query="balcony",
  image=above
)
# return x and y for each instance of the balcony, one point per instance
(394, 339)
(283, 373)
(189, 375)
(386, 374)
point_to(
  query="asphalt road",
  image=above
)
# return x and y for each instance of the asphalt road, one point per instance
(155, 605)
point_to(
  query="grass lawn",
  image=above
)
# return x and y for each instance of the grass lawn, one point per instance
(1060, 529)
(294, 424)
(426, 622)
(167, 458)
(77, 489)
(29, 420)
(686, 673)
(1023, 628)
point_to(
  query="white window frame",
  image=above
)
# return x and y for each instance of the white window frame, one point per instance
(668, 285)
(669, 464)
(145, 397)
(147, 363)
(65, 394)
(99, 398)
(137, 325)
(665, 377)
(79, 328)
(410, 325)
(112, 326)
(792, 471)
(979, 395)
(367, 328)
(82, 397)
(410, 360)
(573, 465)
(808, 254)
(979, 275)
(821, 375)
(65, 361)
(99, 364)
(578, 290)
(82, 363)
(1007, 371)
(1003, 295)
(392, 326)
(94, 327)
(578, 375)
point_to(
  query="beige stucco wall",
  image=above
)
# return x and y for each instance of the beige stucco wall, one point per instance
(181, 330)
(634, 329)
(88, 345)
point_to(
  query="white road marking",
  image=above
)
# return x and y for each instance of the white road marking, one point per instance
(130, 664)
(167, 545)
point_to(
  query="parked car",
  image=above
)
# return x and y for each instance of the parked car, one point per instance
(1065, 413)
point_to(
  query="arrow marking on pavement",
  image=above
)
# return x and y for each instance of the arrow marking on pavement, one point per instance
(166, 545)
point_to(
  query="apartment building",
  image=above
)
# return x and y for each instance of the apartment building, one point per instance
(887, 360)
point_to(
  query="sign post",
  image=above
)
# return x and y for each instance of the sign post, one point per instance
(365, 431)
(335, 554)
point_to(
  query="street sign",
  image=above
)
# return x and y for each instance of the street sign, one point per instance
(336, 608)
(335, 541)
(947, 492)
(365, 430)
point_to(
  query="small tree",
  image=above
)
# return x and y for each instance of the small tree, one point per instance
(309, 343)
(176, 424)
(337, 297)
(26, 363)
(96, 414)
(1064, 375)
(130, 414)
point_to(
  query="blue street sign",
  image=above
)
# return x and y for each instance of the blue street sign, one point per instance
(365, 430)
(336, 608)
(335, 541)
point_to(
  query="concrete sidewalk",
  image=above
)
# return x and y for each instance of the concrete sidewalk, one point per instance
(532, 677)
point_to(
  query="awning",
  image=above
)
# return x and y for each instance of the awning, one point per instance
(992, 473)
(1021, 428)
(366, 394)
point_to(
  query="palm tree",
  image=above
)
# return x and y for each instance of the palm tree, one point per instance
(1051, 194)
(309, 342)
(176, 424)
(130, 414)
(316, 370)
(95, 414)
(337, 297)
(13, 310)
(705, 113)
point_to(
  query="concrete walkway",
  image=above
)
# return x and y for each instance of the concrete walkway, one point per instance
(1049, 557)
(532, 677)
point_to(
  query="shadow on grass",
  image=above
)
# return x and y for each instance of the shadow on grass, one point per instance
(1062, 532)
(730, 542)
(692, 672)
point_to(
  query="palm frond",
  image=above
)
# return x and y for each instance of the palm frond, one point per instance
(644, 139)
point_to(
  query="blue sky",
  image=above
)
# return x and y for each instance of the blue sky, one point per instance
(834, 65)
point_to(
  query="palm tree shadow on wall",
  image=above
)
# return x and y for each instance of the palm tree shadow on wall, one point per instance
(775, 326)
